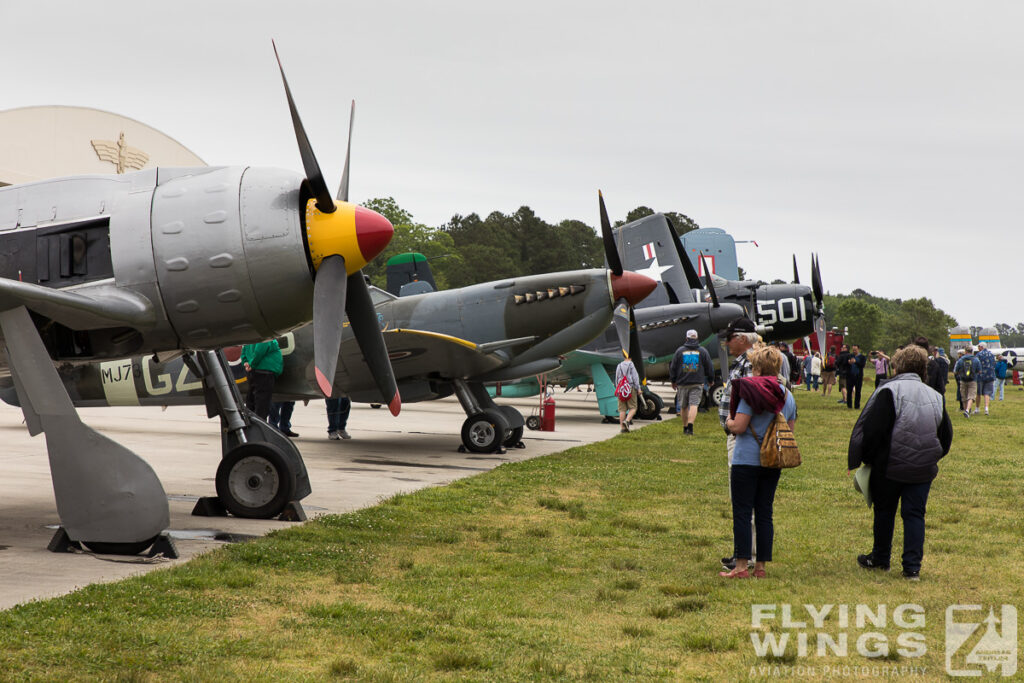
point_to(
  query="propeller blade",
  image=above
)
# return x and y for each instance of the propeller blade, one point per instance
(634, 349)
(692, 278)
(343, 187)
(329, 294)
(819, 330)
(672, 297)
(621, 318)
(314, 176)
(819, 291)
(707, 278)
(796, 275)
(362, 316)
(611, 252)
(723, 360)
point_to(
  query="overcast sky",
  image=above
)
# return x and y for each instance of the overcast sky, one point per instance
(886, 136)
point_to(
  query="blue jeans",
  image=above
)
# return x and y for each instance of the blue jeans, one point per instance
(1000, 383)
(337, 413)
(753, 489)
(911, 499)
(281, 415)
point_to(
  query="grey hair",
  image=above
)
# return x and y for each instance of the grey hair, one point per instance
(981, 345)
(751, 338)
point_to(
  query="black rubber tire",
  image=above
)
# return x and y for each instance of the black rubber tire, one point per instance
(375, 406)
(254, 481)
(484, 432)
(514, 436)
(118, 548)
(716, 394)
(533, 423)
(655, 405)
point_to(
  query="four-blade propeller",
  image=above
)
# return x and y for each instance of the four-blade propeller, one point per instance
(341, 238)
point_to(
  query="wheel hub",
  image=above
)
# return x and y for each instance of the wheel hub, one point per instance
(482, 433)
(253, 481)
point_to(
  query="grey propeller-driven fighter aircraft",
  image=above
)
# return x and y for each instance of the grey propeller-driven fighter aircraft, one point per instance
(177, 261)
(661, 328)
(439, 344)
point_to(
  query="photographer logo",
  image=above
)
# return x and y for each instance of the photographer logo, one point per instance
(976, 641)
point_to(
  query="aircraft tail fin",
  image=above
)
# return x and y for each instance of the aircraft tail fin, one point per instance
(409, 274)
(990, 336)
(959, 338)
(649, 247)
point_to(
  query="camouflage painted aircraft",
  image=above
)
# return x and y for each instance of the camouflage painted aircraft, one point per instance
(661, 329)
(177, 261)
(439, 343)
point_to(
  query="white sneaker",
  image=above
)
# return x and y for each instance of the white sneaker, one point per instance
(334, 436)
(343, 434)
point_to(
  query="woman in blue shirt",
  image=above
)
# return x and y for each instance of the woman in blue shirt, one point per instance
(757, 400)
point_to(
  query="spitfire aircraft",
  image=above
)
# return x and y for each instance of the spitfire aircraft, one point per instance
(177, 261)
(439, 344)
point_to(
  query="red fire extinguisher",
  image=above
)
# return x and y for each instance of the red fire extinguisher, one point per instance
(547, 415)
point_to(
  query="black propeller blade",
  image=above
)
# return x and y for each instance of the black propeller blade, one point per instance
(343, 187)
(692, 278)
(634, 349)
(329, 300)
(621, 319)
(611, 252)
(363, 317)
(707, 278)
(314, 176)
(796, 275)
(819, 291)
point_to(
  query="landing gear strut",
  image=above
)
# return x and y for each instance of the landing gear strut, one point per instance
(489, 428)
(261, 474)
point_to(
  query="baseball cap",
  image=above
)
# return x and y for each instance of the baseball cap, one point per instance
(740, 324)
(691, 334)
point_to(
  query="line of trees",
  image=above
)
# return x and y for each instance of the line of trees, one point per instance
(470, 249)
(878, 323)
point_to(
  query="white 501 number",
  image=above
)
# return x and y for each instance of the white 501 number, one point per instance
(788, 310)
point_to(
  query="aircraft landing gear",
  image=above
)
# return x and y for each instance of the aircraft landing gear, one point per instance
(489, 428)
(261, 474)
(106, 495)
(650, 408)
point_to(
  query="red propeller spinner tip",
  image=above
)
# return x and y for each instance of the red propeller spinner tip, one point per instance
(633, 287)
(373, 232)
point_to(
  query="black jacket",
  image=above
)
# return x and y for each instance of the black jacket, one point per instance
(938, 374)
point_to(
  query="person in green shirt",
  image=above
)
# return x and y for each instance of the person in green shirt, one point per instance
(263, 363)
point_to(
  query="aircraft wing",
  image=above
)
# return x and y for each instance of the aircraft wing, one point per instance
(425, 354)
(89, 309)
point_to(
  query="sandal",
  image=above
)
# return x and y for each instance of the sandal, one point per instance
(735, 574)
(760, 574)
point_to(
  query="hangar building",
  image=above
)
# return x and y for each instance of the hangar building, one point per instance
(52, 141)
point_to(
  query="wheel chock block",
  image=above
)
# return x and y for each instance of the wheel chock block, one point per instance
(163, 545)
(62, 543)
(209, 506)
(292, 512)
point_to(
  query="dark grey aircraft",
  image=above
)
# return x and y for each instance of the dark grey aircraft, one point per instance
(176, 261)
(785, 312)
(439, 344)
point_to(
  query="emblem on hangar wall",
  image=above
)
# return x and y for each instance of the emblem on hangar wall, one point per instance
(125, 158)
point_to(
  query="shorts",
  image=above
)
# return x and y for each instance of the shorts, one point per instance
(987, 387)
(842, 381)
(629, 404)
(968, 391)
(689, 394)
(828, 377)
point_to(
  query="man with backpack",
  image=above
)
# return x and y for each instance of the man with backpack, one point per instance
(689, 371)
(627, 389)
(987, 375)
(966, 371)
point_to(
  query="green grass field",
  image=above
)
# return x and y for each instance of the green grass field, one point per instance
(597, 563)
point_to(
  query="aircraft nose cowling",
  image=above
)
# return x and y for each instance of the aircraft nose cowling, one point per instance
(373, 232)
(633, 287)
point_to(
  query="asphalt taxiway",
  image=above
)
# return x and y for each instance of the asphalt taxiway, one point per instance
(385, 456)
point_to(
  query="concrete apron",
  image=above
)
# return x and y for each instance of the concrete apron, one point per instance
(385, 456)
